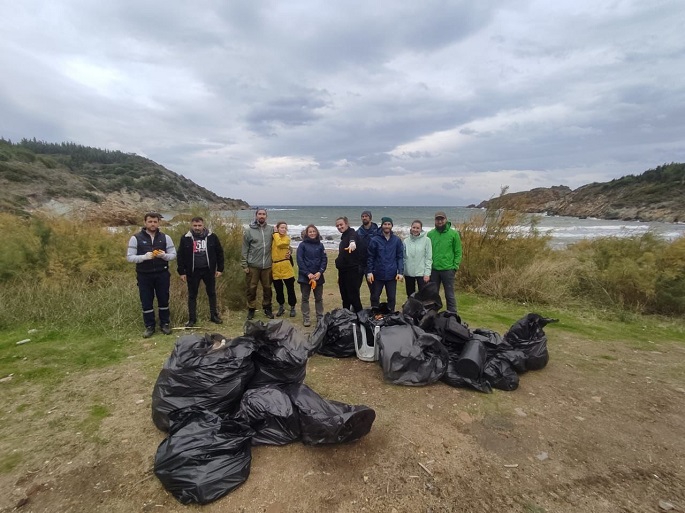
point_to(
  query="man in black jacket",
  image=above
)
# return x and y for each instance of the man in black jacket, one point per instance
(151, 251)
(200, 258)
(347, 263)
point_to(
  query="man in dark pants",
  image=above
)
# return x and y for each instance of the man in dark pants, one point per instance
(446, 244)
(151, 251)
(364, 233)
(200, 258)
(347, 263)
(385, 264)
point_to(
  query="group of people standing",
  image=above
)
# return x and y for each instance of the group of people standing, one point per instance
(370, 253)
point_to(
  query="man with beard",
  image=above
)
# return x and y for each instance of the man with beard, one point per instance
(200, 258)
(446, 244)
(151, 251)
(364, 233)
(256, 262)
(385, 264)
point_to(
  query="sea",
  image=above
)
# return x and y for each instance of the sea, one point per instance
(563, 230)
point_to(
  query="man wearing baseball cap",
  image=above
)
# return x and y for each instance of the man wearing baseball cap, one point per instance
(446, 244)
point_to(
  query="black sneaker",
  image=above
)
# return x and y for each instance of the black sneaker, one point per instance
(190, 324)
(166, 329)
(268, 313)
(250, 314)
(293, 313)
(216, 319)
(281, 311)
(149, 331)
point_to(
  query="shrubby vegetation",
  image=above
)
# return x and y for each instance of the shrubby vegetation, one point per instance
(63, 273)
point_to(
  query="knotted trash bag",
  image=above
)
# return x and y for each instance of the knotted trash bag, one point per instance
(528, 336)
(281, 355)
(271, 414)
(325, 421)
(204, 457)
(211, 372)
(338, 340)
(465, 367)
(500, 373)
(410, 356)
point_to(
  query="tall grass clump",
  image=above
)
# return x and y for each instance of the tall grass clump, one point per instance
(506, 256)
(642, 273)
(67, 274)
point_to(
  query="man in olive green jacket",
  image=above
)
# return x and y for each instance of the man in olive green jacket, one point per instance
(256, 262)
(446, 244)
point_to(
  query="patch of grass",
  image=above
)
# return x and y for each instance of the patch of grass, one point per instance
(96, 414)
(530, 507)
(9, 461)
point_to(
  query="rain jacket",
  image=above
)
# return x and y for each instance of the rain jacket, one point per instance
(311, 259)
(418, 255)
(364, 237)
(385, 257)
(446, 248)
(256, 250)
(281, 268)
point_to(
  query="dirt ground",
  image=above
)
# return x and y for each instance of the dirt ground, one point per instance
(600, 429)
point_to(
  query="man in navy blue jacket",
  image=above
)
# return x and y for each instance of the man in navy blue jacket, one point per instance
(385, 264)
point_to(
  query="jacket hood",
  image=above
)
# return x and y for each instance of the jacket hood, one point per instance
(206, 233)
(255, 224)
(447, 226)
(417, 237)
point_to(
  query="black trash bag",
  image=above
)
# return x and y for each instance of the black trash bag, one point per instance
(203, 371)
(429, 296)
(270, 412)
(325, 421)
(448, 326)
(338, 340)
(410, 356)
(281, 355)
(317, 337)
(204, 457)
(528, 336)
(493, 341)
(500, 374)
(471, 361)
(454, 379)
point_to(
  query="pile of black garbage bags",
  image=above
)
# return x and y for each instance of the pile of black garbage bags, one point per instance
(217, 397)
(422, 345)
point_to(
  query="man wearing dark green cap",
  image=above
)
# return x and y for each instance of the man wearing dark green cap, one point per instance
(446, 243)
(385, 264)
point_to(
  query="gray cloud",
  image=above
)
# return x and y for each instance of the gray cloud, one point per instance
(430, 103)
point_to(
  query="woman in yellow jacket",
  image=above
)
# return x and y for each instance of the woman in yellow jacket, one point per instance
(282, 269)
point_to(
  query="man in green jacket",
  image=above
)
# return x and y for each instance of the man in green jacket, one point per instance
(446, 244)
(256, 262)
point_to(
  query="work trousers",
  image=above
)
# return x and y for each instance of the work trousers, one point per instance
(151, 285)
(290, 287)
(253, 279)
(305, 290)
(193, 280)
(447, 280)
(390, 292)
(349, 282)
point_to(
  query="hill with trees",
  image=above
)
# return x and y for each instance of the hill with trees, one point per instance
(69, 178)
(656, 195)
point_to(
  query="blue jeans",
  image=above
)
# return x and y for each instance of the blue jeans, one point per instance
(447, 280)
(151, 285)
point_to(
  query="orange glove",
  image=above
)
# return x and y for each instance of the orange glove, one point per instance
(312, 283)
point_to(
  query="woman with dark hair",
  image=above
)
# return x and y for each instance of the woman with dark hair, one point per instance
(418, 258)
(282, 269)
(311, 262)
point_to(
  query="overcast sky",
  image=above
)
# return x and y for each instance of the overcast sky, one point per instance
(382, 102)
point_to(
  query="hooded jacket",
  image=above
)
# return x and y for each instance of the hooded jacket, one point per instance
(446, 248)
(418, 255)
(311, 259)
(186, 259)
(257, 242)
(385, 257)
(281, 268)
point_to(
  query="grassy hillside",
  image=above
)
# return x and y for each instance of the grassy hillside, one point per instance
(33, 173)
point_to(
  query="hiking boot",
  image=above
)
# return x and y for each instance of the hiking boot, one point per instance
(216, 319)
(250, 314)
(281, 311)
(166, 329)
(268, 313)
(292, 311)
(149, 331)
(189, 324)
(306, 323)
